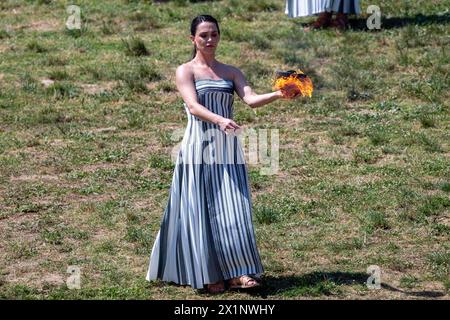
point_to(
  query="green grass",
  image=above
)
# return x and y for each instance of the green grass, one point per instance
(135, 47)
(85, 161)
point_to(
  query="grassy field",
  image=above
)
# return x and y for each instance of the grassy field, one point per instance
(86, 119)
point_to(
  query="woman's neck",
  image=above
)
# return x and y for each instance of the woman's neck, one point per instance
(205, 60)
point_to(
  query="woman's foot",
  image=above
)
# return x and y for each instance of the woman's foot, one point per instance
(242, 282)
(340, 22)
(323, 21)
(214, 288)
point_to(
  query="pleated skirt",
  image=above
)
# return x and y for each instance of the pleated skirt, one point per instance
(303, 8)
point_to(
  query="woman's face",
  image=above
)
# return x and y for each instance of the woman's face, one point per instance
(206, 38)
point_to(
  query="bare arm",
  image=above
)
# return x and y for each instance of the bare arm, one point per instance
(185, 85)
(246, 93)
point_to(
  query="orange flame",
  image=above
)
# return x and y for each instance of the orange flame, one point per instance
(297, 84)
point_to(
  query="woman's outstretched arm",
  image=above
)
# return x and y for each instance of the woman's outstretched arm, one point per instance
(247, 95)
(185, 85)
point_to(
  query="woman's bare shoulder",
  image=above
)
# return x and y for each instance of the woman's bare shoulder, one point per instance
(228, 67)
(230, 70)
(185, 70)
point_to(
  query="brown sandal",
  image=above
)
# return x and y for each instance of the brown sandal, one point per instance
(214, 288)
(243, 282)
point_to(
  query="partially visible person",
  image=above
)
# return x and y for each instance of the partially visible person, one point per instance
(325, 10)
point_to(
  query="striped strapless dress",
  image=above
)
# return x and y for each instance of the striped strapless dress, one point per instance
(206, 232)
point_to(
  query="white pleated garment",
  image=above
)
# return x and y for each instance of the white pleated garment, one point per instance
(303, 8)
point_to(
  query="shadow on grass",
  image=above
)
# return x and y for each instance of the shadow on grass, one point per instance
(400, 22)
(424, 294)
(395, 22)
(318, 284)
(311, 284)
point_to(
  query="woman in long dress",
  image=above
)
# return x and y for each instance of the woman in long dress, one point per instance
(206, 235)
(325, 9)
